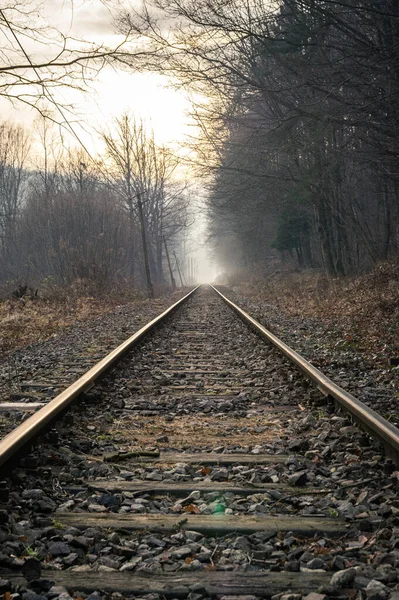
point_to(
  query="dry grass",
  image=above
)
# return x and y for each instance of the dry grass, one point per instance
(26, 321)
(34, 318)
(188, 431)
(364, 309)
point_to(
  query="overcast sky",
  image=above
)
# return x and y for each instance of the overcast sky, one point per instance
(145, 95)
(114, 91)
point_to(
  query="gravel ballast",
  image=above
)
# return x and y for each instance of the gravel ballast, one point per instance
(202, 386)
(330, 350)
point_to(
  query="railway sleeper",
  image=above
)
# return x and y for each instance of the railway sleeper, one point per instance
(195, 502)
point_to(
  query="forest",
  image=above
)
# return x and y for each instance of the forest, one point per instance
(296, 105)
(71, 220)
(299, 127)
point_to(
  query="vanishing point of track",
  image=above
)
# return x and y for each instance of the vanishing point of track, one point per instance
(192, 454)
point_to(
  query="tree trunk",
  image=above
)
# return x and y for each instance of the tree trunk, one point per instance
(172, 279)
(150, 287)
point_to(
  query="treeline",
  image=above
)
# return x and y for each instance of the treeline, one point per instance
(71, 219)
(300, 126)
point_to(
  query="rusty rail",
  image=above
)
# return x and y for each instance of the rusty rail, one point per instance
(378, 427)
(22, 435)
(372, 422)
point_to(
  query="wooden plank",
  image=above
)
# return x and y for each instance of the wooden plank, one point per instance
(193, 333)
(186, 487)
(32, 395)
(216, 380)
(133, 404)
(213, 458)
(219, 366)
(188, 396)
(264, 584)
(36, 385)
(206, 524)
(202, 372)
(10, 406)
(233, 390)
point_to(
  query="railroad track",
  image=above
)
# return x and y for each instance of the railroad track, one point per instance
(203, 464)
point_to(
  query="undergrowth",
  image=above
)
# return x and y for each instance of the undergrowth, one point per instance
(364, 308)
(39, 316)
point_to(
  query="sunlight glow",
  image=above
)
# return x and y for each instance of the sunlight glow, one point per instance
(112, 91)
(164, 110)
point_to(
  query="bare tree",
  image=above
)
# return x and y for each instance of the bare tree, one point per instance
(14, 149)
(317, 83)
(143, 175)
(36, 58)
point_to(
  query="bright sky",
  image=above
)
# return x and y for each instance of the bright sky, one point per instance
(145, 95)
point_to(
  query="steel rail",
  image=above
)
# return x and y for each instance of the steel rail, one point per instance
(366, 417)
(22, 435)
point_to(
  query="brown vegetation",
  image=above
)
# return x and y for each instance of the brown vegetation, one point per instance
(363, 309)
(29, 320)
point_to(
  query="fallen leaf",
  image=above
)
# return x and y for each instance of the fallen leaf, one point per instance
(192, 508)
(206, 470)
(321, 551)
(188, 560)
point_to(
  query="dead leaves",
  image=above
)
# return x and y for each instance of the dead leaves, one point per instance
(192, 509)
(206, 471)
